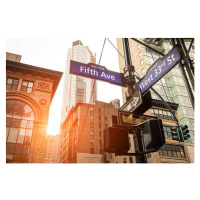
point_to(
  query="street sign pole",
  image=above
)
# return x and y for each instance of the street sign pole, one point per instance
(128, 70)
(187, 61)
(188, 87)
(140, 158)
(131, 89)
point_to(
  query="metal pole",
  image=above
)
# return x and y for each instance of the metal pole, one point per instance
(130, 84)
(190, 46)
(187, 61)
(189, 56)
(141, 158)
(188, 85)
(191, 96)
(128, 70)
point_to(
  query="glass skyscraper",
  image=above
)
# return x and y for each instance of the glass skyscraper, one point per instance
(77, 88)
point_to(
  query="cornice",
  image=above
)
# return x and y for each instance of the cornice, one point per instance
(159, 103)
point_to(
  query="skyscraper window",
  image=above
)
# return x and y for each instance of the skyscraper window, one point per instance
(143, 71)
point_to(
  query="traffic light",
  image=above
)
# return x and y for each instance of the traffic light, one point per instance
(116, 140)
(153, 135)
(175, 133)
(185, 132)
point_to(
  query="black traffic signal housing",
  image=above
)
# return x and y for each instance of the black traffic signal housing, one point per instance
(116, 140)
(153, 135)
(185, 132)
(175, 133)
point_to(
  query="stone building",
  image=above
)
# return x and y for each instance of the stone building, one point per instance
(29, 92)
(82, 138)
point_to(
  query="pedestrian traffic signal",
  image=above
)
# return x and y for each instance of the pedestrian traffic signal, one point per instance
(116, 140)
(175, 133)
(153, 134)
(185, 132)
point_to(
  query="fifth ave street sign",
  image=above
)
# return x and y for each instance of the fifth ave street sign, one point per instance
(133, 102)
(159, 69)
(98, 72)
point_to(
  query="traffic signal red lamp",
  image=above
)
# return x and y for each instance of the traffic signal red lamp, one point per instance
(153, 134)
(116, 140)
(175, 133)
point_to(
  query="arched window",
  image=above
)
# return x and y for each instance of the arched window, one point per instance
(19, 127)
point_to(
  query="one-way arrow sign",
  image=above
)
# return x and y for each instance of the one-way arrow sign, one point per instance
(133, 102)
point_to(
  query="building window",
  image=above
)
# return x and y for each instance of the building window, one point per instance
(191, 123)
(178, 80)
(186, 100)
(91, 150)
(162, 114)
(100, 143)
(190, 111)
(92, 142)
(99, 110)
(143, 71)
(177, 71)
(140, 54)
(91, 125)
(27, 86)
(91, 117)
(138, 46)
(19, 127)
(91, 132)
(131, 159)
(91, 109)
(167, 131)
(100, 133)
(100, 125)
(141, 62)
(172, 151)
(99, 118)
(182, 90)
(12, 83)
(124, 160)
(106, 118)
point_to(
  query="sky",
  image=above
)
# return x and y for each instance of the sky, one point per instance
(51, 53)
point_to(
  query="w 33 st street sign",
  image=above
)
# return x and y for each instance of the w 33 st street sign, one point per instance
(97, 72)
(159, 69)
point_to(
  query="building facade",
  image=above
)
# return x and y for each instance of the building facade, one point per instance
(82, 132)
(171, 87)
(76, 88)
(29, 92)
(52, 149)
